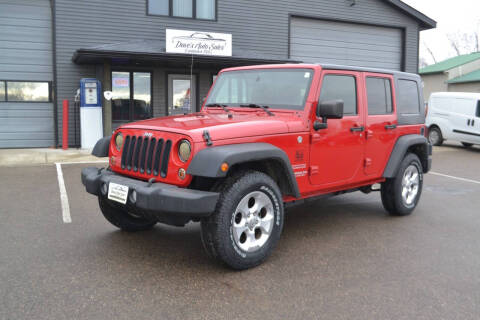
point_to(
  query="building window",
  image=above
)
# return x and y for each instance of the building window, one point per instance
(379, 96)
(25, 91)
(196, 9)
(341, 87)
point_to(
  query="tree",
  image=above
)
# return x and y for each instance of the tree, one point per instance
(465, 42)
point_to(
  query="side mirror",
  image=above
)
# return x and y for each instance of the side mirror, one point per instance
(331, 109)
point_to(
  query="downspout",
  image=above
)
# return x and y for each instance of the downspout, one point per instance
(54, 62)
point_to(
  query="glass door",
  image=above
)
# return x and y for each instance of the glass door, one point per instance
(181, 94)
(132, 95)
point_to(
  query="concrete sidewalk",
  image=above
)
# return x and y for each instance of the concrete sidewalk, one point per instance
(10, 157)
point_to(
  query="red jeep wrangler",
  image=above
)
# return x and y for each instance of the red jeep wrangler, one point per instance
(267, 136)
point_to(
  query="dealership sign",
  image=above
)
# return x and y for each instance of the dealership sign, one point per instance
(196, 42)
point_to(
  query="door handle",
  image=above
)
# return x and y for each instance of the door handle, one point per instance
(468, 122)
(473, 122)
(357, 129)
(390, 126)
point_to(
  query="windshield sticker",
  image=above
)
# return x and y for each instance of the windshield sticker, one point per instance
(307, 75)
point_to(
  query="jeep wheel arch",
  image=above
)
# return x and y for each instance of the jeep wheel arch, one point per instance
(207, 162)
(414, 143)
(101, 147)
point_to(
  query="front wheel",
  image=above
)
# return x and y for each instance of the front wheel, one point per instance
(401, 194)
(247, 222)
(435, 136)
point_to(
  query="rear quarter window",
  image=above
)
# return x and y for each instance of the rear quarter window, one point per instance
(407, 97)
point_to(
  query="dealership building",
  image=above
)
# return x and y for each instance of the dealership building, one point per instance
(159, 57)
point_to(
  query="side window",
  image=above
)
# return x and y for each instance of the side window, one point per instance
(407, 97)
(340, 87)
(379, 95)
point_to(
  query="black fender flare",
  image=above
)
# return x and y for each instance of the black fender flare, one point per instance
(400, 149)
(101, 147)
(207, 162)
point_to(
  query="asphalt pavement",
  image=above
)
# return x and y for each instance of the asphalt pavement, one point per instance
(340, 258)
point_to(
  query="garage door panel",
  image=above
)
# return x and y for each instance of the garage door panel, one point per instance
(313, 40)
(307, 44)
(26, 55)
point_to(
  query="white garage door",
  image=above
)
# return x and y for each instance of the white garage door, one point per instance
(313, 40)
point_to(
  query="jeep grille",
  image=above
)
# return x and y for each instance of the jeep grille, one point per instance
(144, 154)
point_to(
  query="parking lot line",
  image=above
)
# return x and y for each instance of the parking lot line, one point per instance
(453, 177)
(63, 195)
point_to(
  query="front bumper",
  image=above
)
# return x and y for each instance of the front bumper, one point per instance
(156, 198)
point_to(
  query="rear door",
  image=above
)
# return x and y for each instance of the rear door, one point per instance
(337, 152)
(381, 122)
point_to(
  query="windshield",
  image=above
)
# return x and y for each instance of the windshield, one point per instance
(275, 88)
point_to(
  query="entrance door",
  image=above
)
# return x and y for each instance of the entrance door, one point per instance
(132, 96)
(181, 94)
(337, 152)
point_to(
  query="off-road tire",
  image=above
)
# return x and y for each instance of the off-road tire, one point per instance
(467, 145)
(120, 218)
(391, 190)
(436, 141)
(217, 229)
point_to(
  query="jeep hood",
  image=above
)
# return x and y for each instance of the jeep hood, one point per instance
(220, 126)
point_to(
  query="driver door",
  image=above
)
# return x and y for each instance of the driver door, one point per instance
(337, 152)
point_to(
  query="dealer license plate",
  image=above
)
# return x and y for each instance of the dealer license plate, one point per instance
(117, 192)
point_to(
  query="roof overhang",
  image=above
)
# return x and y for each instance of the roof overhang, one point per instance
(148, 52)
(425, 22)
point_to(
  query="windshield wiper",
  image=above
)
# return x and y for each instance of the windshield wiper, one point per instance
(217, 105)
(254, 105)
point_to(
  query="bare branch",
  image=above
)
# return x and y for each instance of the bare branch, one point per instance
(430, 52)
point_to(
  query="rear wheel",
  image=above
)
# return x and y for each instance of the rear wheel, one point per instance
(401, 194)
(122, 219)
(247, 222)
(435, 136)
(467, 145)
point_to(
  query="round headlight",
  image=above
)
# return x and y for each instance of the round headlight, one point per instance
(184, 150)
(119, 141)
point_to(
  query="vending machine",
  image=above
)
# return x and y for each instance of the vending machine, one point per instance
(91, 123)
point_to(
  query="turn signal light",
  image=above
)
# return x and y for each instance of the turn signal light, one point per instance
(224, 167)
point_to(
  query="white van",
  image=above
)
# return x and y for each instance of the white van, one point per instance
(454, 116)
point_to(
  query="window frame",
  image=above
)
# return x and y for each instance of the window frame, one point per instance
(131, 107)
(392, 96)
(194, 11)
(49, 83)
(355, 81)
